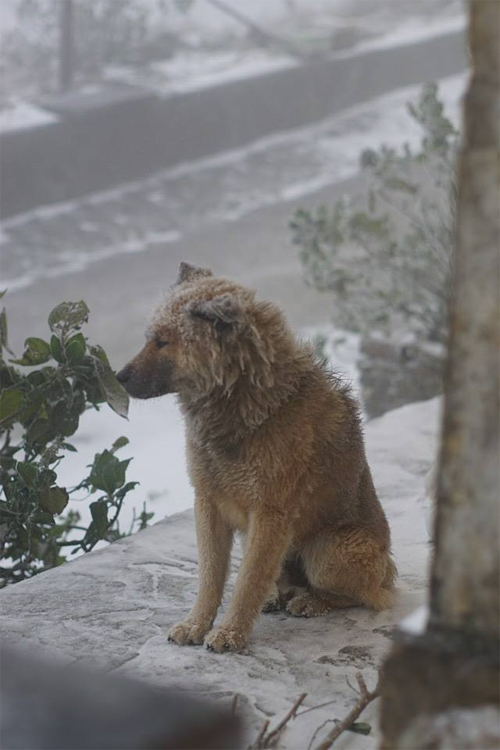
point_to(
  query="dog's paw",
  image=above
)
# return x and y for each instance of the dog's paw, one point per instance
(305, 605)
(188, 633)
(275, 603)
(225, 639)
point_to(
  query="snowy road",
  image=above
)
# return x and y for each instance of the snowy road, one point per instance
(120, 249)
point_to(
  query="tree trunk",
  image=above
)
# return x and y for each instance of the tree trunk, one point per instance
(446, 676)
(465, 582)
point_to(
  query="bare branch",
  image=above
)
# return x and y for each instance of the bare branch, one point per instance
(267, 739)
(264, 37)
(273, 736)
(365, 697)
(318, 730)
(234, 704)
(258, 744)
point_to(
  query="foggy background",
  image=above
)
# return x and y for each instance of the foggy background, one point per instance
(135, 135)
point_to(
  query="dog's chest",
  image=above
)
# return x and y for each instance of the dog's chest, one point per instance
(228, 479)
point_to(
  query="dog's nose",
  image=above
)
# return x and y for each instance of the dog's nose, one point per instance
(124, 375)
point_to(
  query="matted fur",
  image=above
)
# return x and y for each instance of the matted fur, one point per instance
(275, 451)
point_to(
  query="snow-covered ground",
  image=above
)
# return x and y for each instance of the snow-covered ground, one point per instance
(112, 607)
(195, 70)
(62, 238)
(22, 114)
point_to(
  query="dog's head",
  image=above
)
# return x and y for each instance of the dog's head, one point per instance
(207, 333)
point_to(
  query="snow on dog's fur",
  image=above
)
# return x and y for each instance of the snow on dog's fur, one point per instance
(275, 452)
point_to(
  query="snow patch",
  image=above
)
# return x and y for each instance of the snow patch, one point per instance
(410, 31)
(416, 623)
(21, 115)
(196, 70)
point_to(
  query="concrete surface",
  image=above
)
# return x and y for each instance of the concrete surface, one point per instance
(112, 608)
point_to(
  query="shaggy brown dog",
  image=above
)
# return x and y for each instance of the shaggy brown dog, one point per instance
(275, 452)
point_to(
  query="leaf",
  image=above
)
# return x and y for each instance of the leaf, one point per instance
(40, 431)
(99, 511)
(11, 401)
(115, 394)
(3, 292)
(36, 352)
(70, 425)
(7, 463)
(107, 472)
(54, 499)
(43, 517)
(27, 472)
(75, 349)
(360, 727)
(69, 447)
(47, 478)
(119, 443)
(126, 489)
(68, 315)
(56, 349)
(99, 353)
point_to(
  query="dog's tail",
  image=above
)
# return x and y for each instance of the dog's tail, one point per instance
(391, 574)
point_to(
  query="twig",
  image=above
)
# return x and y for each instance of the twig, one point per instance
(265, 37)
(365, 697)
(272, 737)
(318, 730)
(315, 708)
(234, 704)
(267, 739)
(260, 737)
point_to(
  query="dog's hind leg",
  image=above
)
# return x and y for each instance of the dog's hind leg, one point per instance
(291, 582)
(344, 568)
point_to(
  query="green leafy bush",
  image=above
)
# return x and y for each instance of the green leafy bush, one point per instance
(40, 410)
(385, 260)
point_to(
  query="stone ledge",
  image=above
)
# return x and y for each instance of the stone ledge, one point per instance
(112, 608)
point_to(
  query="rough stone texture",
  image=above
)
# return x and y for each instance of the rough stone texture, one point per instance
(393, 374)
(112, 608)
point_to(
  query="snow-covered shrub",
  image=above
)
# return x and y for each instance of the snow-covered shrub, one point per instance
(386, 260)
(40, 410)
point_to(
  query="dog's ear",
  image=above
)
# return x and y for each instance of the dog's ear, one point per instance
(224, 311)
(188, 272)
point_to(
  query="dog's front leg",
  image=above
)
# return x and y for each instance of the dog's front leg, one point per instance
(214, 539)
(266, 545)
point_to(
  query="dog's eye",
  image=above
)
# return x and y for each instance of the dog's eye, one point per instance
(161, 344)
